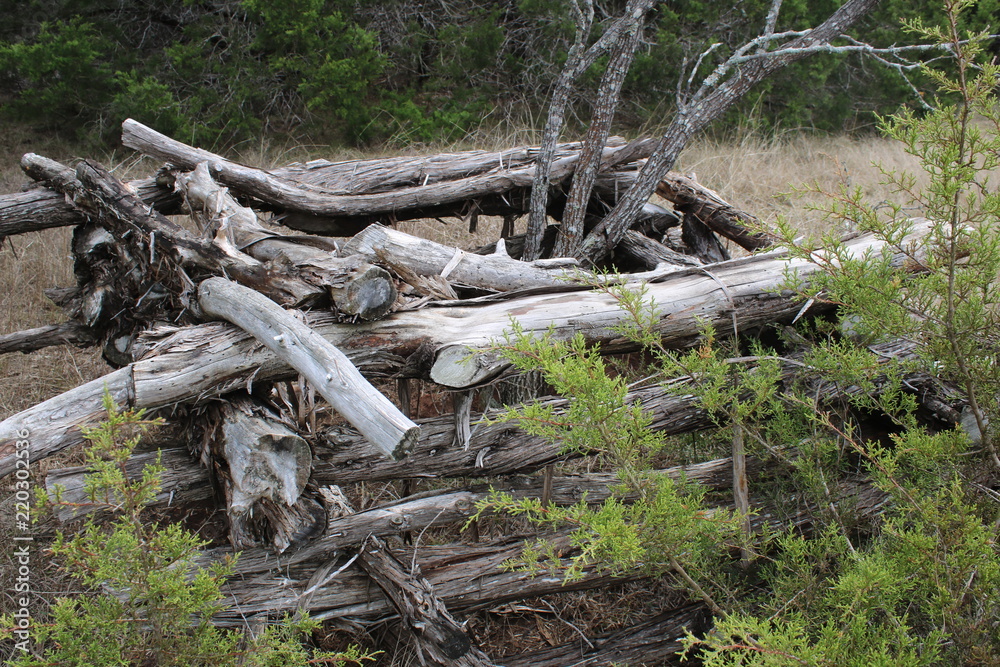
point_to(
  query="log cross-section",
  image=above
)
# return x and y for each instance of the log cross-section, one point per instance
(322, 364)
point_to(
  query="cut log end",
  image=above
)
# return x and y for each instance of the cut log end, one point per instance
(459, 366)
(406, 443)
(370, 295)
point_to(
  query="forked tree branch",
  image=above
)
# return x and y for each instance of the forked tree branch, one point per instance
(726, 86)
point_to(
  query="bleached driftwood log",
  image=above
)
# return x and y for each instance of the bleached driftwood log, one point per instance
(496, 272)
(341, 198)
(740, 293)
(354, 286)
(320, 362)
(205, 361)
(286, 194)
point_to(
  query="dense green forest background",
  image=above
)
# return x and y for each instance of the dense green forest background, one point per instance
(360, 72)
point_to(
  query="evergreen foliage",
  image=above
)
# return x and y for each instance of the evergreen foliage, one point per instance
(917, 585)
(222, 71)
(149, 602)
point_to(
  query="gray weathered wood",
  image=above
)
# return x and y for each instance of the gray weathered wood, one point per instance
(35, 210)
(342, 198)
(464, 578)
(210, 360)
(29, 340)
(319, 361)
(354, 286)
(183, 482)
(741, 292)
(687, 195)
(439, 638)
(265, 470)
(495, 272)
(657, 640)
(651, 254)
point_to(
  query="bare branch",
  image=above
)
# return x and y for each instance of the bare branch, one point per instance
(709, 103)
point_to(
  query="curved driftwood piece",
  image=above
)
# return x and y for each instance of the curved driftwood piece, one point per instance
(319, 361)
(29, 340)
(354, 286)
(291, 195)
(342, 198)
(689, 196)
(439, 638)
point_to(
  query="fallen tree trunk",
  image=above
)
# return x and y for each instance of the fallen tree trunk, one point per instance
(354, 286)
(320, 362)
(741, 293)
(202, 361)
(289, 195)
(182, 483)
(264, 467)
(341, 198)
(29, 340)
(496, 272)
(689, 196)
(35, 210)
(465, 578)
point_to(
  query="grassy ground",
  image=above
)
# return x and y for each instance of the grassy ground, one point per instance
(754, 174)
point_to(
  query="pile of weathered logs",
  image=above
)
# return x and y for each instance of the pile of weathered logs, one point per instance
(230, 327)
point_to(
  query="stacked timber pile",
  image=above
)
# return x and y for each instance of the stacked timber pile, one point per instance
(230, 327)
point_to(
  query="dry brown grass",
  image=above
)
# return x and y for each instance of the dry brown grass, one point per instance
(761, 175)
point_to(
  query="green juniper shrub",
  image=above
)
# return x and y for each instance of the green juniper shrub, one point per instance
(900, 564)
(147, 602)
